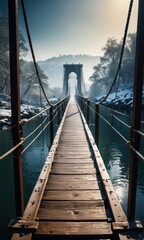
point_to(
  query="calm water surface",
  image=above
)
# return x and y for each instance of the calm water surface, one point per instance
(115, 153)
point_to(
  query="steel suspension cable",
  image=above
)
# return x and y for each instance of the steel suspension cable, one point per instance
(118, 119)
(30, 134)
(139, 132)
(121, 121)
(40, 125)
(93, 111)
(39, 134)
(136, 152)
(32, 50)
(112, 110)
(122, 50)
(23, 121)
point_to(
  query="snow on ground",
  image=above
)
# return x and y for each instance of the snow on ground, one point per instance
(27, 111)
(122, 99)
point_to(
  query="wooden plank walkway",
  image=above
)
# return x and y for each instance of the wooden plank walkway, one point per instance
(74, 197)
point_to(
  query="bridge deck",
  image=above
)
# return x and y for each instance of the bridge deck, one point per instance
(73, 197)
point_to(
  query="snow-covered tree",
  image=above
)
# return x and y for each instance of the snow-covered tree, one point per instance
(29, 78)
(105, 71)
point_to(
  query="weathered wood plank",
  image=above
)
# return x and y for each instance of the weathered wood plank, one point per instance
(71, 160)
(73, 138)
(72, 178)
(75, 228)
(73, 155)
(73, 143)
(73, 149)
(75, 171)
(73, 195)
(74, 165)
(98, 214)
(72, 204)
(56, 185)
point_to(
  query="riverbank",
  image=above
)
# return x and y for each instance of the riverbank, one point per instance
(122, 99)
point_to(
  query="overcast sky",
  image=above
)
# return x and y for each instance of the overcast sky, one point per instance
(74, 26)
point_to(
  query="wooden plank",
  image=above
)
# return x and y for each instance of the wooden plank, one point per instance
(72, 204)
(70, 160)
(73, 149)
(73, 156)
(75, 171)
(64, 137)
(70, 142)
(78, 132)
(74, 139)
(75, 228)
(73, 195)
(72, 178)
(74, 153)
(58, 156)
(73, 145)
(73, 165)
(56, 185)
(72, 131)
(98, 214)
(78, 135)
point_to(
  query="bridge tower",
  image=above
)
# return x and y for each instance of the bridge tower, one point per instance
(76, 68)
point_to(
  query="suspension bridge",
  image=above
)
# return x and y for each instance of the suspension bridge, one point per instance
(73, 197)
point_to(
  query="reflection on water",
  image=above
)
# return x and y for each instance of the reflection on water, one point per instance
(7, 207)
(34, 157)
(115, 153)
(117, 169)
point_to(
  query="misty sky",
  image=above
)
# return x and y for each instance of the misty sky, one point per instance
(74, 26)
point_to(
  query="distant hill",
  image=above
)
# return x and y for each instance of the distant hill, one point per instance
(53, 67)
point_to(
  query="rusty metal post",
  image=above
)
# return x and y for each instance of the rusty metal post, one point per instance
(81, 103)
(15, 104)
(88, 105)
(62, 107)
(97, 124)
(59, 114)
(137, 106)
(51, 126)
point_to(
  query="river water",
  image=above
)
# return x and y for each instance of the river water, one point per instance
(114, 150)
